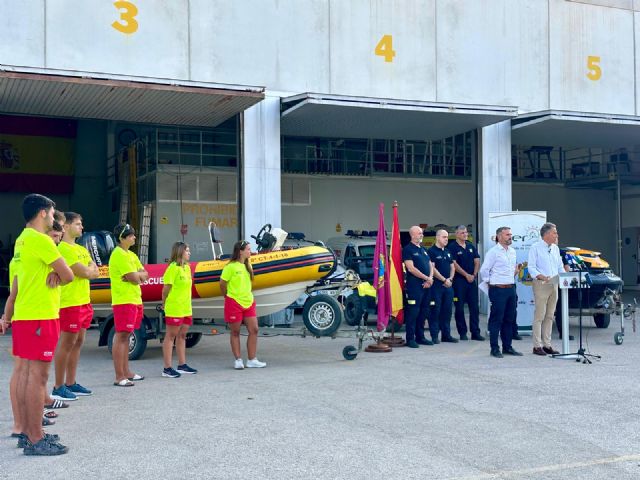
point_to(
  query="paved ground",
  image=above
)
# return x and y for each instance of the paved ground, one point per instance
(442, 412)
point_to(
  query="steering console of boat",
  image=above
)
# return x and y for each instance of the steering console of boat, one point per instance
(264, 240)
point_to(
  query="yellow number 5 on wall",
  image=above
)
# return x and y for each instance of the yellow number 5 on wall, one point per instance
(593, 64)
(128, 11)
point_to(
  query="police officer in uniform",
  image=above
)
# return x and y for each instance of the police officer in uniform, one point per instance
(441, 292)
(419, 280)
(466, 262)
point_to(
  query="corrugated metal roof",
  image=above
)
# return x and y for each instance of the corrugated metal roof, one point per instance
(124, 100)
(575, 129)
(322, 115)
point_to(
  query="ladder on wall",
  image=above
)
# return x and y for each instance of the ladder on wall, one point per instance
(124, 200)
(145, 229)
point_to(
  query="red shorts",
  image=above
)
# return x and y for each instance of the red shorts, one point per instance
(178, 321)
(127, 317)
(35, 339)
(234, 312)
(72, 319)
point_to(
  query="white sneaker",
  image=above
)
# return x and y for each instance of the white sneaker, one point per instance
(255, 363)
(239, 365)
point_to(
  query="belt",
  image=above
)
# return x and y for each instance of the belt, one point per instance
(503, 285)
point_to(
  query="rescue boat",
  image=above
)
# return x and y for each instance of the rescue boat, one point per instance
(280, 277)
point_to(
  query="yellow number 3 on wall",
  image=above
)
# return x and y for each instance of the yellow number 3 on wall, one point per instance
(127, 23)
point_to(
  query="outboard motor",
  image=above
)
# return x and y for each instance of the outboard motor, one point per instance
(100, 245)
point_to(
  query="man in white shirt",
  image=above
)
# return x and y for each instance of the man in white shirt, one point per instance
(544, 265)
(498, 270)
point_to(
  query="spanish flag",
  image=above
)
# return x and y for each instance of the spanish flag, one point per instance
(396, 275)
(37, 154)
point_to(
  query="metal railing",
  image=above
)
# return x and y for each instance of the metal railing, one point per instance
(450, 157)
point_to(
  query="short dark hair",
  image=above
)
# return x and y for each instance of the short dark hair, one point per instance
(500, 230)
(546, 228)
(461, 227)
(71, 217)
(123, 230)
(59, 217)
(33, 203)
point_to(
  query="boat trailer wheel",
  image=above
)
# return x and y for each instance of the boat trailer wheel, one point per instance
(349, 352)
(322, 315)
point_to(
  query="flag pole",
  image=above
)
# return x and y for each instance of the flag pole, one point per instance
(394, 341)
(381, 284)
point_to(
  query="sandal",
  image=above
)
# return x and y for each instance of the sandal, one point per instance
(49, 413)
(136, 378)
(57, 404)
(46, 422)
(124, 383)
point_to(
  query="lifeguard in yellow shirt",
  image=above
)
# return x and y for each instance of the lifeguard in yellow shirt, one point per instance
(126, 274)
(76, 312)
(176, 302)
(39, 270)
(239, 305)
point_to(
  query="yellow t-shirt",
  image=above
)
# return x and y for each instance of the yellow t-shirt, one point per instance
(12, 272)
(77, 292)
(238, 283)
(34, 252)
(122, 262)
(178, 303)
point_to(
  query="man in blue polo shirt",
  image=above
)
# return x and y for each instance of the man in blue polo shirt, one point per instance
(466, 262)
(441, 292)
(418, 283)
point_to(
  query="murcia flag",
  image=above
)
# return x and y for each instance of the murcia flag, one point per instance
(381, 275)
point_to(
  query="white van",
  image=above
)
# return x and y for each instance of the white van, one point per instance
(355, 251)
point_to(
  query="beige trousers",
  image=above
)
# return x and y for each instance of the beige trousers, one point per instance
(546, 297)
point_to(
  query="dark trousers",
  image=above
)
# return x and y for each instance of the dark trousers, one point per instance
(515, 321)
(441, 306)
(502, 316)
(465, 292)
(415, 311)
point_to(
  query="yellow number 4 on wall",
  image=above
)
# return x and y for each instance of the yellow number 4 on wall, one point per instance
(384, 48)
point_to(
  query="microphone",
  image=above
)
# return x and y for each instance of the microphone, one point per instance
(571, 261)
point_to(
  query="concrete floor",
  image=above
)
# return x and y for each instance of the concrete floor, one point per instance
(444, 412)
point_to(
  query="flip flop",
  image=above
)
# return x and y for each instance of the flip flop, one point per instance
(49, 413)
(136, 378)
(123, 383)
(57, 404)
(46, 422)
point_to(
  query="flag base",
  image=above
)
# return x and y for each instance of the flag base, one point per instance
(378, 347)
(394, 341)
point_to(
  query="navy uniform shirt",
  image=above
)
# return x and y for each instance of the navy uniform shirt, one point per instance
(463, 256)
(418, 255)
(442, 261)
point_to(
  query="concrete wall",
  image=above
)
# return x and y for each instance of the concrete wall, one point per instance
(585, 218)
(530, 53)
(353, 203)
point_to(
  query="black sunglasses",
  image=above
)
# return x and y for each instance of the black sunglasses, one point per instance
(127, 229)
